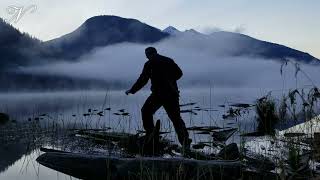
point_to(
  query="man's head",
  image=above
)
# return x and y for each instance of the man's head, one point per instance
(151, 52)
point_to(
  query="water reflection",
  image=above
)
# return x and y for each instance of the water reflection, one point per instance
(10, 153)
(67, 109)
(26, 168)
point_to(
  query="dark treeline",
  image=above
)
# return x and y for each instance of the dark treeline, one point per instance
(13, 81)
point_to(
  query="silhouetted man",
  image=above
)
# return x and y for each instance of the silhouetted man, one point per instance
(164, 73)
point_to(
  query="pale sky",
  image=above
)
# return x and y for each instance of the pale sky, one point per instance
(294, 23)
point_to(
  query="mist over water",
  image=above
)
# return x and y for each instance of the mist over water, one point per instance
(211, 78)
(60, 106)
(205, 61)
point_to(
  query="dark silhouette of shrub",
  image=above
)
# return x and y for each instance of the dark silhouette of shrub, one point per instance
(266, 115)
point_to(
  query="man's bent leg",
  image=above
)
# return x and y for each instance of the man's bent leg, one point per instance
(151, 105)
(171, 105)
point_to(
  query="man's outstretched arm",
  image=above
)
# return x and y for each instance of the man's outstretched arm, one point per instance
(176, 71)
(142, 80)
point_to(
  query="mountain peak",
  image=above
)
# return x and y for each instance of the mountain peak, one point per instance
(192, 31)
(99, 31)
(103, 19)
(171, 30)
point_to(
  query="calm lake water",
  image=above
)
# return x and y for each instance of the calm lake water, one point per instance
(68, 109)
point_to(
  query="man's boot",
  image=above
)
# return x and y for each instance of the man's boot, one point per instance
(151, 141)
(186, 147)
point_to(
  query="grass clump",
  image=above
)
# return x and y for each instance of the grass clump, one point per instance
(266, 115)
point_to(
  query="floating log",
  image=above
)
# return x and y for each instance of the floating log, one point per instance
(187, 104)
(160, 133)
(253, 134)
(105, 167)
(223, 135)
(188, 111)
(242, 105)
(203, 128)
(43, 149)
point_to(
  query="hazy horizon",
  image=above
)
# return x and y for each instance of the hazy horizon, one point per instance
(204, 61)
(273, 21)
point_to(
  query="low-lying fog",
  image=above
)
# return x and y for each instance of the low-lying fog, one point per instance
(208, 72)
(211, 78)
(204, 60)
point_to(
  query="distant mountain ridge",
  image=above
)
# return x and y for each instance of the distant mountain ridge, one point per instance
(16, 48)
(253, 47)
(101, 31)
(236, 44)
(174, 31)
(20, 49)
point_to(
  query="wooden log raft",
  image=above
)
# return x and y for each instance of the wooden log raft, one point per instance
(104, 167)
(316, 146)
